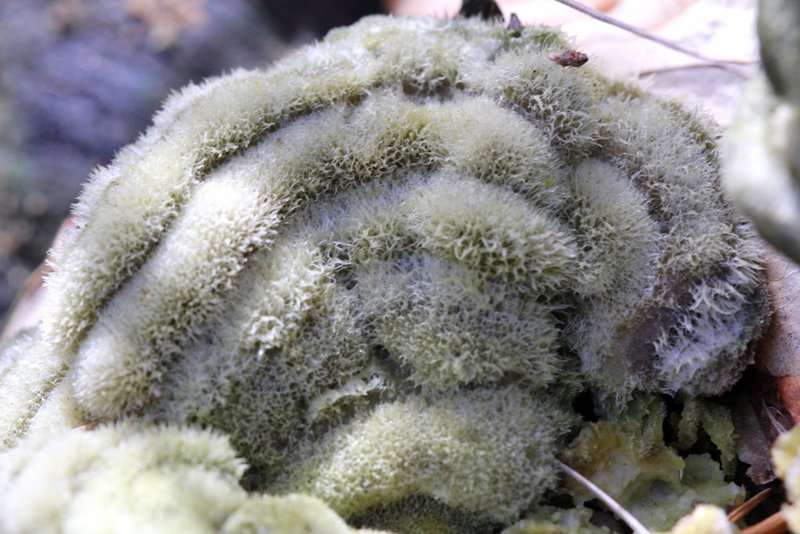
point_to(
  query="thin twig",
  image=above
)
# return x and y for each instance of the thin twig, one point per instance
(774, 524)
(599, 15)
(740, 512)
(673, 68)
(613, 505)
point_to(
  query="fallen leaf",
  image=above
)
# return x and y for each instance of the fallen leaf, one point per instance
(720, 29)
(753, 446)
(778, 351)
(789, 393)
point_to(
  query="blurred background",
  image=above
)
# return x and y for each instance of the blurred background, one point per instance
(81, 78)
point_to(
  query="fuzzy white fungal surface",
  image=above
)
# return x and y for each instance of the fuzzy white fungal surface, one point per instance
(384, 266)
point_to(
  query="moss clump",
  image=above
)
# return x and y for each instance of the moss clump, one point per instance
(384, 266)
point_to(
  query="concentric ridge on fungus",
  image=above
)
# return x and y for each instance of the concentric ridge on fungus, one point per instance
(383, 265)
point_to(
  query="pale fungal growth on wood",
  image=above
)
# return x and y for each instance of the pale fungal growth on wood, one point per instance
(384, 266)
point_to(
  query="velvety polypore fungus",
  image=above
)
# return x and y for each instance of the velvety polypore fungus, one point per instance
(384, 266)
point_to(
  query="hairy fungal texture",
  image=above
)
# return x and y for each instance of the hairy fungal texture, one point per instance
(382, 266)
(126, 477)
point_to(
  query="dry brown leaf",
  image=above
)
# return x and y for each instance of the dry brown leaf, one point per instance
(530, 11)
(789, 393)
(753, 445)
(721, 29)
(778, 351)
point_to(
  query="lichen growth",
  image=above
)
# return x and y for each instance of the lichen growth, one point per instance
(626, 456)
(716, 421)
(385, 266)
